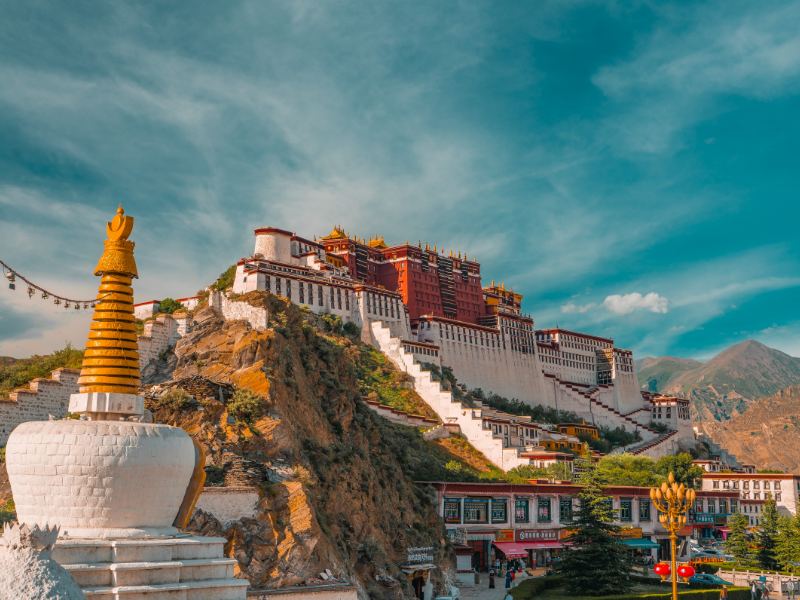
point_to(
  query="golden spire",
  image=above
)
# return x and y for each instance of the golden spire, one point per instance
(111, 360)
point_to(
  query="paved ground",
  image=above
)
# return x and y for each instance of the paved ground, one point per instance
(482, 591)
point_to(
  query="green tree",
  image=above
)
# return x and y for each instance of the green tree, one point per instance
(225, 280)
(787, 543)
(767, 535)
(595, 563)
(738, 542)
(169, 306)
(681, 466)
(627, 469)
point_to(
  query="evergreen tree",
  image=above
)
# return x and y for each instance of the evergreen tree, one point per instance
(738, 542)
(787, 543)
(595, 563)
(766, 537)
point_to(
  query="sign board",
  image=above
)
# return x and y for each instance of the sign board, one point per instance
(418, 556)
(565, 533)
(628, 533)
(537, 535)
(458, 536)
(504, 535)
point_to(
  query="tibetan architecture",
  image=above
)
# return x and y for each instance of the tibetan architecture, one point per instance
(116, 487)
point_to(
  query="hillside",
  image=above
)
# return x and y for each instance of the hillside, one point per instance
(337, 481)
(654, 373)
(726, 384)
(17, 372)
(766, 433)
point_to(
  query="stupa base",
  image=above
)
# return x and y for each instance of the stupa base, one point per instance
(181, 566)
(126, 533)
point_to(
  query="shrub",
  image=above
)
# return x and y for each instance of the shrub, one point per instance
(225, 280)
(8, 512)
(174, 399)
(245, 406)
(169, 306)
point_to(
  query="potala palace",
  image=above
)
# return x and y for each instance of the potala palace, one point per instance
(420, 306)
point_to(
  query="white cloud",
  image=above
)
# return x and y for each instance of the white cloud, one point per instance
(572, 308)
(624, 304)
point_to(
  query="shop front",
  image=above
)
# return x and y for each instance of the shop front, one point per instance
(537, 547)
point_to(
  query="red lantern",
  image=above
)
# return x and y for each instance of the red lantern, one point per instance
(686, 571)
(662, 569)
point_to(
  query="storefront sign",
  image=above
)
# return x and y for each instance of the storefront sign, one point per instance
(565, 533)
(504, 535)
(457, 536)
(627, 533)
(418, 556)
(535, 535)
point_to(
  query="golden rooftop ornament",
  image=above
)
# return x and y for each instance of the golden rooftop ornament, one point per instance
(111, 360)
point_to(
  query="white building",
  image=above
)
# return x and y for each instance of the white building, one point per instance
(783, 487)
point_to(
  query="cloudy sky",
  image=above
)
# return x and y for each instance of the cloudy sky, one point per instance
(632, 168)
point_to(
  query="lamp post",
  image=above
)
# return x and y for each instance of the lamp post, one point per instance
(672, 501)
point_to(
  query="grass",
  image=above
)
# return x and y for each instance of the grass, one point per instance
(540, 588)
(18, 373)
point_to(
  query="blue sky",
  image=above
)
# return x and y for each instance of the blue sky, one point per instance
(632, 168)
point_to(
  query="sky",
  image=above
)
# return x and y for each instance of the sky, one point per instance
(631, 167)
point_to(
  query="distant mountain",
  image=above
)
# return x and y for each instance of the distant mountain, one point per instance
(726, 384)
(766, 433)
(655, 373)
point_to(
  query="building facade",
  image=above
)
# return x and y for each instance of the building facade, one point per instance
(533, 521)
(754, 487)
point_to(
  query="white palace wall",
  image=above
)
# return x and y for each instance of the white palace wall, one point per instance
(42, 399)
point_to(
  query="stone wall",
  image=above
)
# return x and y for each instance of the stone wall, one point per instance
(40, 400)
(320, 592)
(229, 504)
(160, 334)
(233, 310)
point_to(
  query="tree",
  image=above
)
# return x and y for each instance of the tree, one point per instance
(595, 563)
(169, 306)
(767, 535)
(738, 542)
(627, 469)
(787, 543)
(681, 466)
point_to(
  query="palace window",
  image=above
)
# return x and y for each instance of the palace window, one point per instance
(715, 484)
(734, 505)
(626, 509)
(565, 509)
(698, 505)
(339, 298)
(766, 485)
(267, 284)
(499, 510)
(302, 293)
(756, 485)
(644, 509)
(723, 506)
(452, 510)
(712, 505)
(777, 496)
(319, 295)
(333, 305)
(476, 510)
(289, 289)
(521, 514)
(756, 495)
(347, 300)
(278, 286)
(543, 514)
(310, 293)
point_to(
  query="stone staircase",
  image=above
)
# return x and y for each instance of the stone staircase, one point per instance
(179, 568)
(598, 410)
(652, 447)
(450, 411)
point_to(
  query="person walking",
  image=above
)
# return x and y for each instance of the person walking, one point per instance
(491, 578)
(508, 579)
(723, 593)
(753, 591)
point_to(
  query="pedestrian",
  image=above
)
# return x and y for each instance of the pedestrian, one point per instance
(508, 579)
(723, 593)
(491, 578)
(765, 593)
(509, 596)
(753, 591)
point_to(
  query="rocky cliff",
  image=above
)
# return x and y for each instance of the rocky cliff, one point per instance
(336, 481)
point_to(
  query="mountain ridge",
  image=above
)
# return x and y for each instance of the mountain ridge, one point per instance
(726, 384)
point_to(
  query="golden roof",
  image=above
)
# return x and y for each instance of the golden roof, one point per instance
(337, 233)
(377, 242)
(111, 360)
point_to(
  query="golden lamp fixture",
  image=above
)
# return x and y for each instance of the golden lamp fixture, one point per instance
(673, 502)
(109, 380)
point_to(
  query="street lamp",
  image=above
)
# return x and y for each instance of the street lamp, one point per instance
(672, 501)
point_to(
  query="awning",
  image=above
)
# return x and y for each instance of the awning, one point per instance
(512, 549)
(640, 543)
(520, 549)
